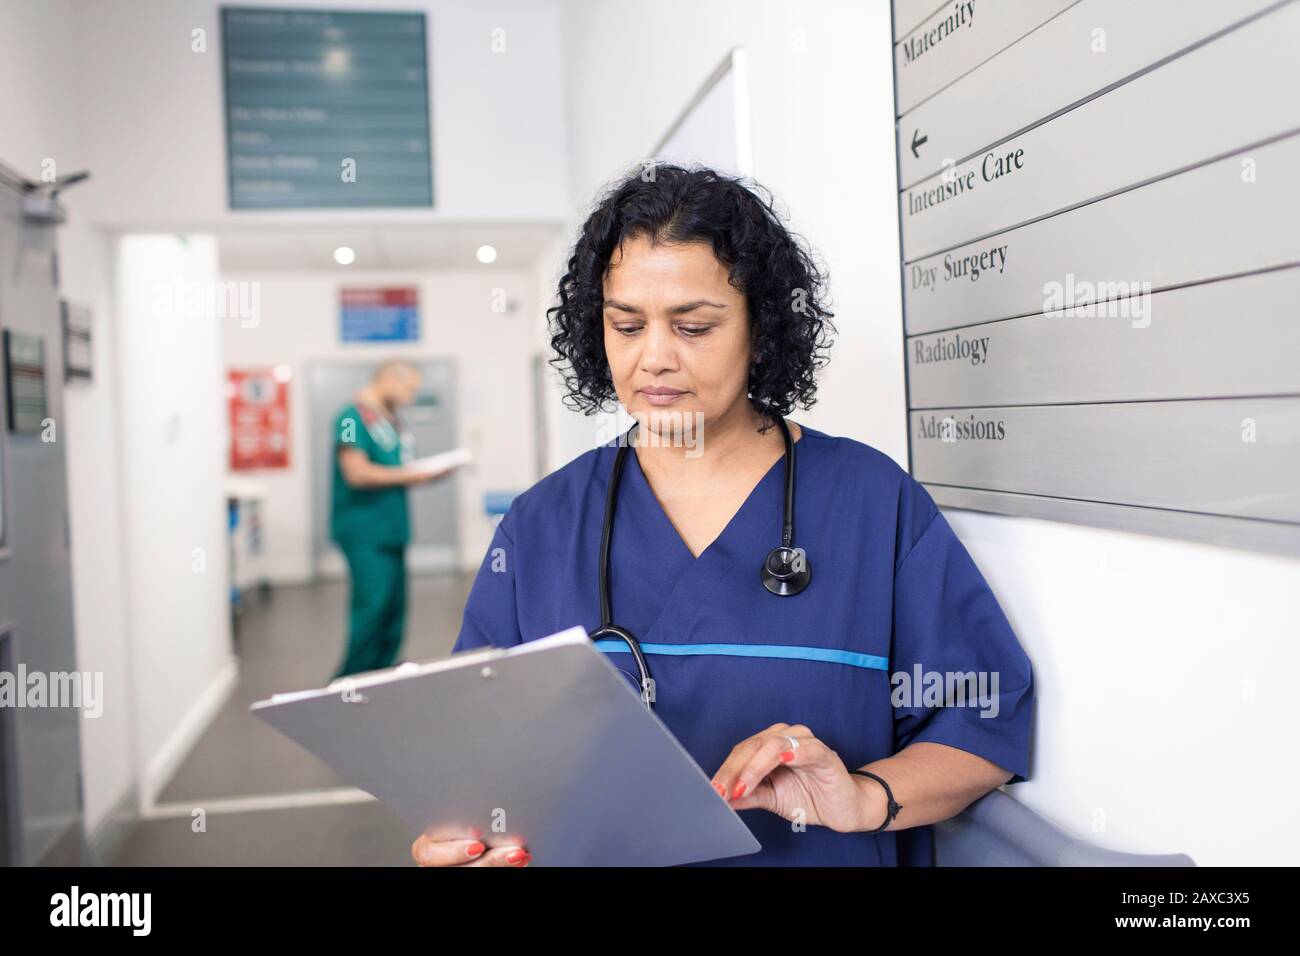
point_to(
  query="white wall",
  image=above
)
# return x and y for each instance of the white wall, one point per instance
(172, 440)
(44, 122)
(1165, 716)
(299, 323)
(95, 498)
(154, 112)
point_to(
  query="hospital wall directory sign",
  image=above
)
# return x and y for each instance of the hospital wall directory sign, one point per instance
(326, 108)
(1095, 270)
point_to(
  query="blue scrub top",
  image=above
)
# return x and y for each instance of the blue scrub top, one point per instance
(892, 590)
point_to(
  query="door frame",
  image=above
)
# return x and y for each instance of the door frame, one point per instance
(327, 562)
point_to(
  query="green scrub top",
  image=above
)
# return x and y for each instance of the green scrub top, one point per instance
(368, 515)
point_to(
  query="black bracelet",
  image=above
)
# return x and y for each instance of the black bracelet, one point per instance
(889, 796)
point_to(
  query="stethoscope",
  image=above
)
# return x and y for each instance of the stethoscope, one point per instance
(786, 570)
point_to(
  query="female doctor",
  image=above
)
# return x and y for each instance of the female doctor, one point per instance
(802, 678)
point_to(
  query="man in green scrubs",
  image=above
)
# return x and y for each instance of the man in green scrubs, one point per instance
(369, 519)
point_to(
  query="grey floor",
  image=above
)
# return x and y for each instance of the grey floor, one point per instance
(291, 641)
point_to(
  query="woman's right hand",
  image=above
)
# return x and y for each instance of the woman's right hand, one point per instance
(457, 848)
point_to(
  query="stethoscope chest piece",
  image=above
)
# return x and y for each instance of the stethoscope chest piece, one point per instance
(786, 571)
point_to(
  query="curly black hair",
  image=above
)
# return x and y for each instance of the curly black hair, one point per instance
(790, 326)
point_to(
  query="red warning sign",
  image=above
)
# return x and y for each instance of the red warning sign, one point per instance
(259, 418)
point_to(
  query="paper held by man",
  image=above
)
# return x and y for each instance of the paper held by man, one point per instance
(443, 461)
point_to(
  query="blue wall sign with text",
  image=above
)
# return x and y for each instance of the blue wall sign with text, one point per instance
(379, 315)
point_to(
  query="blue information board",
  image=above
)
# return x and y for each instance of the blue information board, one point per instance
(379, 315)
(326, 109)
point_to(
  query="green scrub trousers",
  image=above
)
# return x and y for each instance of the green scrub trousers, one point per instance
(377, 608)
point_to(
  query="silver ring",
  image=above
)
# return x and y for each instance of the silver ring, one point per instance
(794, 743)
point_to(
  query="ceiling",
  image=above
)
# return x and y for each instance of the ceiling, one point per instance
(404, 247)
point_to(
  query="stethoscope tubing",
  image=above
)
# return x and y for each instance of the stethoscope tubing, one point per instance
(607, 626)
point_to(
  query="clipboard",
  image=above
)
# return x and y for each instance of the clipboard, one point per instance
(544, 745)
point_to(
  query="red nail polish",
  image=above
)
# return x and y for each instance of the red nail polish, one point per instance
(519, 858)
(739, 791)
(474, 849)
(787, 757)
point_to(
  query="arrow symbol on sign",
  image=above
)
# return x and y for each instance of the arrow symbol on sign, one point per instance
(918, 142)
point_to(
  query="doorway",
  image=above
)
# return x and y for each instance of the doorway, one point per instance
(431, 419)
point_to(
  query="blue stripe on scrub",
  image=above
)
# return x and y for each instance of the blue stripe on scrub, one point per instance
(783, 651)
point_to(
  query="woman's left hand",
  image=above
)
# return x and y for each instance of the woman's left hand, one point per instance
(806, 783)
